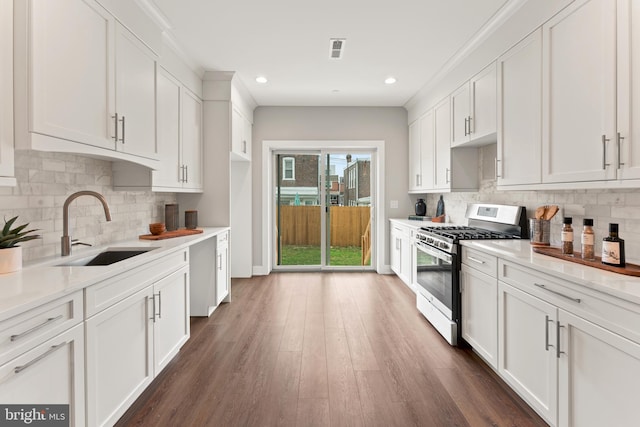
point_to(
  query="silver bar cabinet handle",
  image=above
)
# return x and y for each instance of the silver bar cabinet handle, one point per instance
(604, 151)
(220, 262)
(558, 293)
(186, 173)
(123, 122)
(546, 333)
(159, 305)
(478, 261)
(53, 348)
(153, 298)
(447, 176)
(619, 141)
(470, 131)
(558, 352)
(115, 117)
(35, 328)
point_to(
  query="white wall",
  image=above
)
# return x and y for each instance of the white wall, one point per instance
(335, 123)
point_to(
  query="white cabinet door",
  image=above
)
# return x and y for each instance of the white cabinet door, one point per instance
(70, 58)
(519, 113)
(480, 313)
(240, 146)
(482, 120)
(396, 248)
(579, 93)
(119, 357)
(415, 168)
(598, 373)
(527, 349)
(628, 138)
(442, 160)
(427, 151)
(406, 247)
(135, 95)
(6, 93)
(192, 148)
(222, 269)
(51, 373)
(460, 113)
(170, 172)
(171, 317)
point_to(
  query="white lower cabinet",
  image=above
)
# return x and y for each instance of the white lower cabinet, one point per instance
(50, 373)
(563, 349)
(133, 335)
(119, 357)
(222, 268)
(171, 327)
(598, 372)
(402, 252)
(479, 318)
(479, 289)
(527, 349)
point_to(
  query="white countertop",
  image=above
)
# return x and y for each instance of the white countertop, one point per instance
(519, 251)
(43, 281)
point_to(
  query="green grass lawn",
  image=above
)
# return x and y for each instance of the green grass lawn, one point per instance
(310, 255)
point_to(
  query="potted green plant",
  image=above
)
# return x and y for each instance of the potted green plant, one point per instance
(10, 252)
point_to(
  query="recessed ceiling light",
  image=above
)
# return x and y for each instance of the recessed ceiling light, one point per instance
(390, 80)
(335, 90)
(261, 79)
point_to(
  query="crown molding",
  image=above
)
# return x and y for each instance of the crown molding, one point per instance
(492, 24)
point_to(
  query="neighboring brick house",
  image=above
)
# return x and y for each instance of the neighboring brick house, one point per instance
(299, 175)
(357, 183)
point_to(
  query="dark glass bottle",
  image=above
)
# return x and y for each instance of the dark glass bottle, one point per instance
(421, 208)
(613, 248)
(440, 207)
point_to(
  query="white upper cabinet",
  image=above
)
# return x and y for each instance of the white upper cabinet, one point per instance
(179, 137)
(135, 96)
(473, 110)
(628, 136)
(76, 69)
(433, 165)
(192, 147)
(241, 129)
(519, 113)
(579, 93)
(414, 156)
(6, 94)
(427, 151)
(442, 133)
(421, 154)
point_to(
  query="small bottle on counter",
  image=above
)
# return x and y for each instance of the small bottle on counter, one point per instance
(613, 248)
(588, 240)
(567, 236)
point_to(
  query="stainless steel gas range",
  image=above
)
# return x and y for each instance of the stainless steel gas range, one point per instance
(438, 260)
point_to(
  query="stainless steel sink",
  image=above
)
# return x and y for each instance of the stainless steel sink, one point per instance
(107, 257)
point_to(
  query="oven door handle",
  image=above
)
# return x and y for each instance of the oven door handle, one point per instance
(434, 252)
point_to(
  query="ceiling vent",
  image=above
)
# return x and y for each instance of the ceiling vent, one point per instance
(336, 48)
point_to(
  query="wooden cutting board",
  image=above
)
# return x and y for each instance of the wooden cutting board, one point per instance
(629, 269)
(171, 234)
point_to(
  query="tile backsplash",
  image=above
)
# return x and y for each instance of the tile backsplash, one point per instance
(45, 180)
(604, 206)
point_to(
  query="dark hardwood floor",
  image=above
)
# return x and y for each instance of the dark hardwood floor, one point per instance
(324, 349)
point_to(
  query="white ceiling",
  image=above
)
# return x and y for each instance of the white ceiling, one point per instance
(287, 41)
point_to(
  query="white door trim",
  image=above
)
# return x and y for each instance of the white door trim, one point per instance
(378, 160)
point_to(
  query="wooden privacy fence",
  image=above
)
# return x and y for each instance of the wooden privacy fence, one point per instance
(300, 225)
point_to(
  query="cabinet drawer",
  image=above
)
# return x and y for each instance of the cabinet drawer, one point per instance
(488, 264)
(604, 310)
(222, 240)
(20, 333)
(106, 293)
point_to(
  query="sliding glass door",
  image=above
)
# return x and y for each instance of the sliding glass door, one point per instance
(323, 203)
